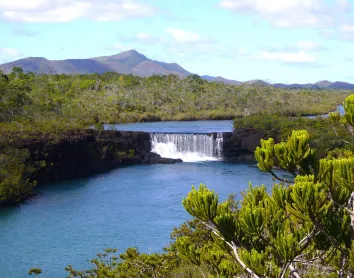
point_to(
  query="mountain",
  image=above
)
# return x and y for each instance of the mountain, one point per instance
(297, 86)
(341, 85)
(128, 62)
(220, 79)
(257, 82)
(323, 83)
(133, 62)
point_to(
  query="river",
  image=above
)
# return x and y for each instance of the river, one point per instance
(135, 206)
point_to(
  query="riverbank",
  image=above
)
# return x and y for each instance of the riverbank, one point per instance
(31, 159)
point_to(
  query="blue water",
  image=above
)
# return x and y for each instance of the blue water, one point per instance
(133, 206)
(340, 109)
(176, 127)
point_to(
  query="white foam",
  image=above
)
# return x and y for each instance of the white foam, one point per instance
(188, 147)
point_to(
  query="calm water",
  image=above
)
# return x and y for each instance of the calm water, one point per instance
(177, 127)
(188, 126)
(137, 206)
(133, 206)
(340, 109)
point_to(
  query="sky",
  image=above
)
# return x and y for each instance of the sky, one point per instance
(288, 41)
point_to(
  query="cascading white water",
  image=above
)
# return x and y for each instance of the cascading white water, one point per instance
(188, 147)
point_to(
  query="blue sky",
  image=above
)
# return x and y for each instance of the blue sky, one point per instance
(278, 41)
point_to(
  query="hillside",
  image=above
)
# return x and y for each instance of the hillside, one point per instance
(135, 63)
(128, 62)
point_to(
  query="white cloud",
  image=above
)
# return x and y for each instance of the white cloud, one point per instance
(184, 36)
(347, 28)
(9, 52)
(301, 46)
(344, 32)
(309, 45)
(175, 41)
(344, 4)
(289, 13)
(20, 5)
(306, 45)
(69, 10)
(190, 45)
(288, 57)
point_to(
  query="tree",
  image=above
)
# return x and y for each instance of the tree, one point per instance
(35, 271)
(15, 171)
(126, 265)
(305, 227)
(18, 72)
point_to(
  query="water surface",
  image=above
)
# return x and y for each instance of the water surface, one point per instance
(176, 127)
(340, 109)
(134, 206)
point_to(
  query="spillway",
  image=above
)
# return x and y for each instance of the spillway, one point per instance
(188, 147)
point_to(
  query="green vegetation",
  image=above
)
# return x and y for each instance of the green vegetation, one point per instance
(303, 228)
(35, 271)
(53, 103)
(33, 106)
(15, 171)
(323, 137)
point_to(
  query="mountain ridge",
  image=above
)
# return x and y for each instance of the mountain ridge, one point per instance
(127, 62)
(133, 62)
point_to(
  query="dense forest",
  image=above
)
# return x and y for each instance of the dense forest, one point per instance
(30, 102)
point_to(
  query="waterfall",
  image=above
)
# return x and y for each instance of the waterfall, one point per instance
(188, 147)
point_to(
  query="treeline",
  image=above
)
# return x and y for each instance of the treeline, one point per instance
(324, 138)
(54, 102)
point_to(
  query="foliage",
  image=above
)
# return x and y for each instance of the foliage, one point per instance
(42, 102)
(323, 137)
(35, 271)
(34, 105)
(15, 172)
(304, 227)
(133, 264)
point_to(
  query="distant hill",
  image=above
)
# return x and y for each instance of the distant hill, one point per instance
(128, 62)
(323, 83)
(341, 85)
(220, 79)
(133, 62)
(318, 85)
(297, 86)
(257, 82)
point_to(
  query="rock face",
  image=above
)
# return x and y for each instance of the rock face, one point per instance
(86, 153)
(240, 144)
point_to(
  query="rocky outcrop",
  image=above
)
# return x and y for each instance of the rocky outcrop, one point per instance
(240, 144)
(85, 153)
